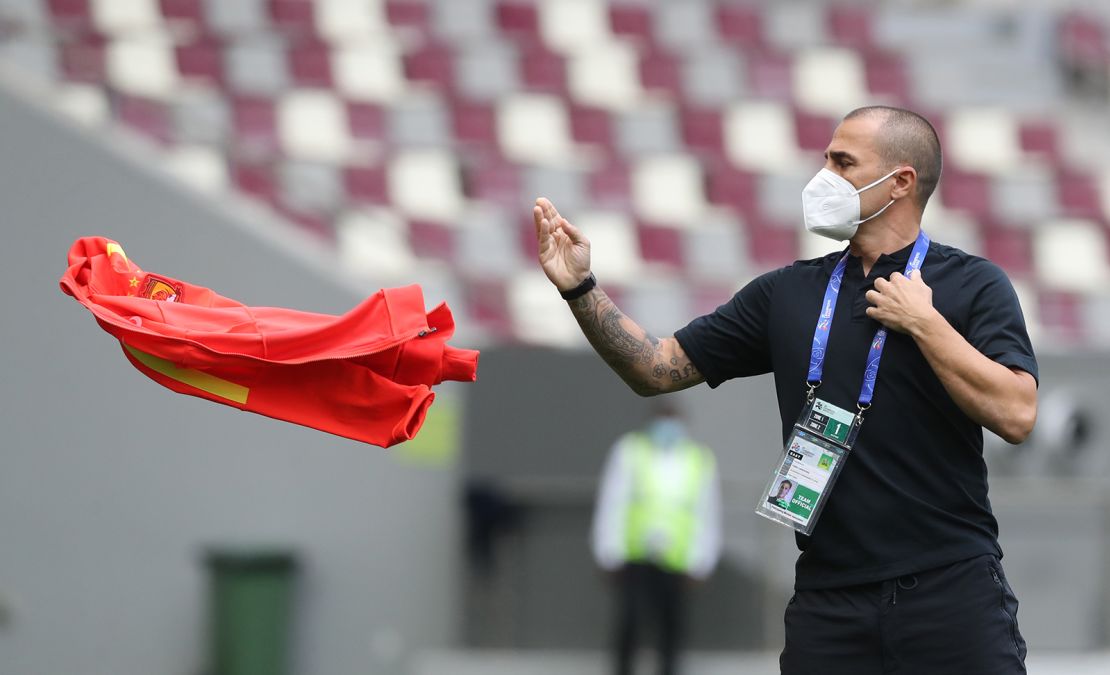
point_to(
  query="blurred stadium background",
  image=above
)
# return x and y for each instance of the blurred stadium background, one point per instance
(304, 153)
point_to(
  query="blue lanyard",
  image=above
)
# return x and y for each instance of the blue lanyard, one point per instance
(824, 323)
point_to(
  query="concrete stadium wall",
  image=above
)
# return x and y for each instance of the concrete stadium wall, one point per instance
(111, 487)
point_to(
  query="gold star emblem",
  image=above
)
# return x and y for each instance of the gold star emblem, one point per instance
(134, 282)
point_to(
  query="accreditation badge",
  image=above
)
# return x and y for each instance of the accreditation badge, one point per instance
(810, 463)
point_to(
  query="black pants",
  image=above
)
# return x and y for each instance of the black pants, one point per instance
(960, 619)
(649, 594)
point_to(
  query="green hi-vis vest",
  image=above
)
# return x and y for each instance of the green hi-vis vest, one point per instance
(662, 514)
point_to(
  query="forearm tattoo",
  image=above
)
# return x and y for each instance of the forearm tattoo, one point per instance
(631, 351)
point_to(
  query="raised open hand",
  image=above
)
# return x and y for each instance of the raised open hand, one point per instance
(564, 251)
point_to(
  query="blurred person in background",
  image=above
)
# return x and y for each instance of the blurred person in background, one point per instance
(657, 526)
(902, 572)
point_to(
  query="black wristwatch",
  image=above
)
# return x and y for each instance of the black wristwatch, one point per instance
(581, 289)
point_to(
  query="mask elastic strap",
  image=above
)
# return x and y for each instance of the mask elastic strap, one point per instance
(871, 185)
(876, 214)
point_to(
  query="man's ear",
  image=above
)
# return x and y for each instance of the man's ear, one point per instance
(905, 182)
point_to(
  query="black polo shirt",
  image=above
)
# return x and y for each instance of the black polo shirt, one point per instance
(913, 493)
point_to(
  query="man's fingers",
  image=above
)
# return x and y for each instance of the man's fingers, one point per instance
(873, 297)
(880, 284)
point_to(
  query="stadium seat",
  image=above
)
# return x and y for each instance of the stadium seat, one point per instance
(201, 62)
(541, 70)
(486, 247)
(374, 242)
(663, 305)
(346, 21)
(425, 184)
(295, 18)
(474, 123)
(646, 129)
(1071, 255)
(661, 245)
(610, 185)
(242, 17)
(539, 315)
(85, 104)
(813, 131)
(771, 245)
(256, 65)
(367, 122)
(256, 180)
(534, 128)
(412, 15)
(564, 186)
(660, 73)
(703, 132)
(887, 79)
(371, 71)
(487, 70)
(487, 304)
(366, 184)
(124, 17)
(313, 125)
(254, 122)
(682, 26)
(770, 75)
(25, 15)
(760, 136)
(419, 120)
(311, 187)
(604, 75)
(669, 189)
(569, 26)
(1011, 248)
(203, 168)
(741, 25)
(734, 188)
(148, 117)
(713, 77)
(591, 126)
(795, 25)
(715, 250)
(780, 196)
(518, 19)
(464, 22)
(829, 81)
(966, 191)
(432, 240)
(849, 25)
(143, 66)
(1077, 194)
(983, 139)
(1025, 196)
(631, 20)
(432, 65)
(83, 59)
(613, 238)
(309, 64)
(71, 16)
(488, 178)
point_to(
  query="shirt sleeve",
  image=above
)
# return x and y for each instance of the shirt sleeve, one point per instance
(733, 340)
(607, 536)
(996, 325)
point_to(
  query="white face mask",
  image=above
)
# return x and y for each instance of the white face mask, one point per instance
(830, 205)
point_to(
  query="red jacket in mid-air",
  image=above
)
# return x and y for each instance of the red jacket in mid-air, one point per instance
(366, 375)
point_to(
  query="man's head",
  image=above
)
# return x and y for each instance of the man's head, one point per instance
(666, 426)
(873, 141)
(784, 487)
